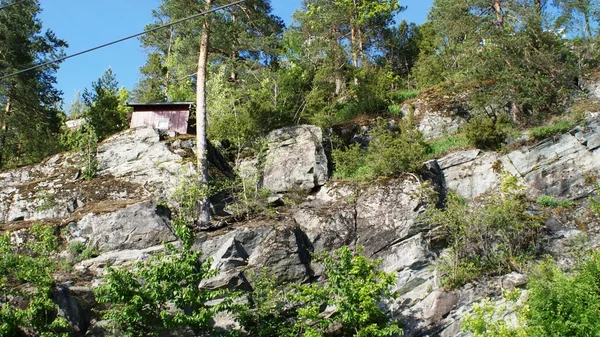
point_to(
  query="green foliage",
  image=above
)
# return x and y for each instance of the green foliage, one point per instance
(107, 112)
(557, 304)
(546, 131)
(187, 197)
(550, 201)
(81, 252)
(344, 303)
(447, 145)
(518, 63)
(353, 287)
(161, 293)
(405, 95)
(487, 132)
(595, 203)
(267, 314)
(189, 193)
(391, 152)
(249, 197)
(486, 321)
(84, 140)
(490, 236)
(351, 163)
(30, 118)
(26, 273)
(563, 305)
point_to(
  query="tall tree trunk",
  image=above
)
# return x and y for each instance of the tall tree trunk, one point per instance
(354, 40)
(586, 17)
(499, 15)
(169, 48)
(353, 44)
(4, 130)
(361, 48)
(234, 54)
(201, 120)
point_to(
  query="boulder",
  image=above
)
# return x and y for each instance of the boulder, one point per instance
(295, 159)
(438, 114)
(327, 229)
(286, 252)
(411, 253)
(117, 259)
(138, 156)
(140, 226)
(387, 214)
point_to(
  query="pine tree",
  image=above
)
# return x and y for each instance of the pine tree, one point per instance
(106, 112)
(30, 115)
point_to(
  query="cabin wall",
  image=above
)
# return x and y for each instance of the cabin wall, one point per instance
(178, 119)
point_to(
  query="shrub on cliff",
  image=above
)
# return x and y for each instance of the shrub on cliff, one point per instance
(344, 304)
(557, 304)
(492, 235)
(26, 285)
(391, 151)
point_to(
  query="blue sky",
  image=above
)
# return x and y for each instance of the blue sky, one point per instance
(85, 24)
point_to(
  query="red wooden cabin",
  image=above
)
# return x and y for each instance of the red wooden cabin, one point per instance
(163, 116)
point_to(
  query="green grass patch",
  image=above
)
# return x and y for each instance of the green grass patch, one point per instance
(398, 98)
(443, 146)
(546, 131)
(550, 201)
(404, 95)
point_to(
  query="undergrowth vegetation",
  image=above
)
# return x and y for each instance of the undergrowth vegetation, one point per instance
(488, 132)
(558, 303)
(26, 285)
(489, 236)
(546, 131)
(163, 293)
(448, 144)
(391, 151)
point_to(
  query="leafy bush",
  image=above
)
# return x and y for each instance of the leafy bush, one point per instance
(557, 304)
(487, 132)
(484, 322)
(161, 293)
(81, 252)
(550, 201)
(343, 304)
(353, 288)
(564, 305)
(351, 164)
(267, 314)
(490, 236)
(390, 152)
(26, 274)
(559, 127)
(84, 140)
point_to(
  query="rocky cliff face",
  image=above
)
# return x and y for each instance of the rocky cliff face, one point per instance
(117, 213)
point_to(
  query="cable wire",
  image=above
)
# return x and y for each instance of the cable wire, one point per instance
(123, 39)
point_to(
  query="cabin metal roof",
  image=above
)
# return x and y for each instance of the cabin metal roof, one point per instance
(160, 104)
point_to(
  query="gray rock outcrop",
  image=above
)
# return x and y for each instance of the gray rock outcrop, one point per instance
(565, 166)
(138, 226)
(295, 159)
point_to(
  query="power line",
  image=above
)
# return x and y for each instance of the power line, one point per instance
(12, 4)
(123, 39)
